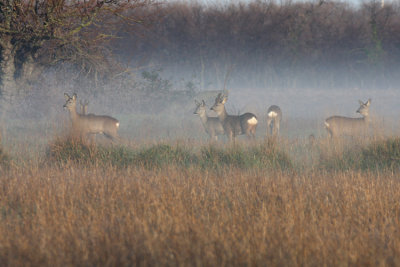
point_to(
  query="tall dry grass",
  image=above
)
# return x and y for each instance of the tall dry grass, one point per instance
(174, 216)
(101, 213)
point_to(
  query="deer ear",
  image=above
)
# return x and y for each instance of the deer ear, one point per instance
(224, 99)
(66, 96)
(368, 102)
(74, 96)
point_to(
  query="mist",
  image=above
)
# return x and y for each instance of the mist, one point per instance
(313, 60)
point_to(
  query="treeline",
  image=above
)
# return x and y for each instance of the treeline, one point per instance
(268, 44)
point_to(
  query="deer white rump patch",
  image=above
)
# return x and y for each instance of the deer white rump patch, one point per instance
(252, 121)
(117, 124)
(272, 114)
(326, 124)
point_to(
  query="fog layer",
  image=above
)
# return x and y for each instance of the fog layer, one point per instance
(314, 60)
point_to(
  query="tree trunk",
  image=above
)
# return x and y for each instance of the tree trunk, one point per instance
(8, 84)
(8, 69)
(30, 70)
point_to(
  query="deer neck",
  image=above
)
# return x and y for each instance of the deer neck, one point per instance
(203, 118)
(222, 114)
(74, 115)
(366, 119)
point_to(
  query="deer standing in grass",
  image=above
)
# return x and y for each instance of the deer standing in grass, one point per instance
(337, 125)
(211, 125)
(234, 124)
(274, 118)
(84, 125)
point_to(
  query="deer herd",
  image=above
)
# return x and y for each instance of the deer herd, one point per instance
(84, 124)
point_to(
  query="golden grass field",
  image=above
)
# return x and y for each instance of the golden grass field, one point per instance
(56, 212)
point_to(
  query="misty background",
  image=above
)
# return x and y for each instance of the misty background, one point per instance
(313, 59)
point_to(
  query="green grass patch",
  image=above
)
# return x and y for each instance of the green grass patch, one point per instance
(378, 155)
(164, 154)
(63, 150)
(382, 155)
(263, 156)
(347, 160)
(5, 159)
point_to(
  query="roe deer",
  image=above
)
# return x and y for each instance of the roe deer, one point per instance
(84, 125)
(234, 124)
(274, 118)
(337, 125)
(211, 125)
(84, 106)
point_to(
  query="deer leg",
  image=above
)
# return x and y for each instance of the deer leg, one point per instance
(213, 136)
(248, 133)
(277, 128)
(114, 137)
(90, 138)
(330, 132)
(252, 133)
(268, 127)
(231, 136)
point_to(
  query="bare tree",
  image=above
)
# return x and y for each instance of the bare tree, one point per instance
(39, 33)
